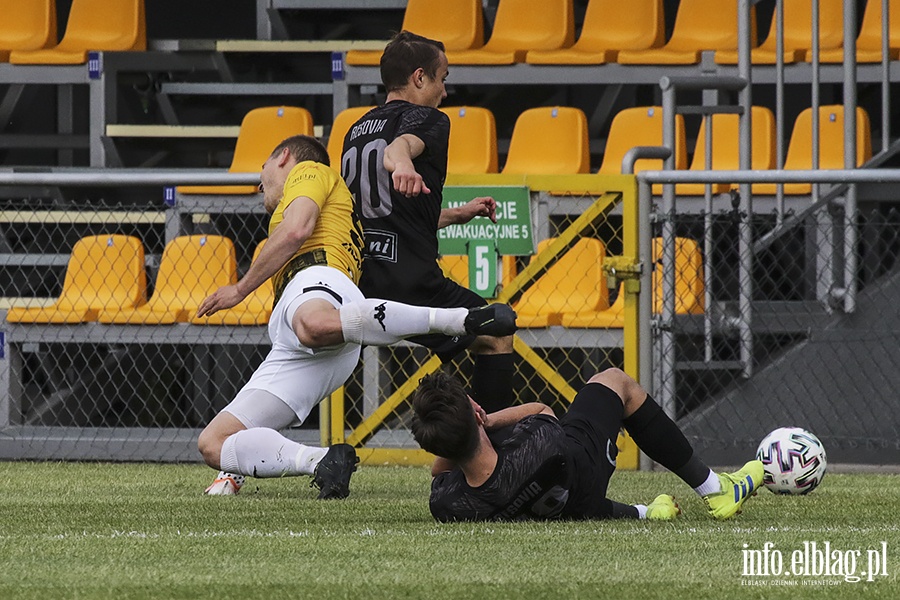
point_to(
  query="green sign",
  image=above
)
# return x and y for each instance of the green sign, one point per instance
(483, 261)
(512, 232)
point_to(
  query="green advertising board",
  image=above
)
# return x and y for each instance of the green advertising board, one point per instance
(512, 232)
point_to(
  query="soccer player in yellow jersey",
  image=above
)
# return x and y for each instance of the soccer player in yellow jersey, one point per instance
(319, 321)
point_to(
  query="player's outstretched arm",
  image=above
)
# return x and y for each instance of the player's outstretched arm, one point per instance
(300, 218)
(514, 414)
(483, 206)
(398, 160)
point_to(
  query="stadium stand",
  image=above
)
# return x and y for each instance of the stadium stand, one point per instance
(255, 309)
(459, 24)
(93, 25)
(26, 25)
(689, 289)
(700, 25)
(520, 26)
(104, 272)
(609, 27)
(191, 268)
(473, 140)
(831, 145)
(551, 140)
(574, 282)
(261, 130)
(726, 148)
(868, 42)
(797, 33)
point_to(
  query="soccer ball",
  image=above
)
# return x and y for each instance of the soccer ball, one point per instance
(794, 461)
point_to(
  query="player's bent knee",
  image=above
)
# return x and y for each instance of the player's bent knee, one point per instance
(313, 331)
(210, 446)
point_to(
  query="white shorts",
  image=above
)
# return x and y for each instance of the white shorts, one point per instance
(301, 377)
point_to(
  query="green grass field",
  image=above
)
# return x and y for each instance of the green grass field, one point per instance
(146, 531)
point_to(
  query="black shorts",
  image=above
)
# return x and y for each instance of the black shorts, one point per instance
(592, 427)
(449, 295)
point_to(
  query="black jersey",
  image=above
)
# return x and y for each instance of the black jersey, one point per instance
(400, 261)
(530, 480)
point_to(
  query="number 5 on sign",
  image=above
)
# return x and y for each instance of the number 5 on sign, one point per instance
(483, 267)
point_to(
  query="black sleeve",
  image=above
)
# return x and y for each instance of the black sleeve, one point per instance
(429, 125)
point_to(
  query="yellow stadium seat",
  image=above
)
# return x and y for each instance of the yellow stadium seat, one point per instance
(93, 25)
(255, 309)
(797, 33)
(520, 26)
(689, 289)
(261, 130)
(456, 267)
(831, 145)
(726, 148)
(458, 24)
(609, 27)
(641, 126)
(192, 267)
(473, 140)
(342, 124)
(104, 272)
(699, 25)
(868, 43)
(551, 140)
(27, 25)
(575, 282)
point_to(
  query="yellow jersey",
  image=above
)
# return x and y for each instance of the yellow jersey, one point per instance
(337, 238)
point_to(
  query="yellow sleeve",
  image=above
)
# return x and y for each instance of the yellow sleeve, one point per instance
(309, 180)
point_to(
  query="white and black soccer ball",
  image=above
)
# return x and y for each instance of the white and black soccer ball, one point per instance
(794, 461)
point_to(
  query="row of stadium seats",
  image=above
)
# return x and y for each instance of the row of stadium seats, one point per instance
(574, 292)
(633, 33)
(28, 30)
(533, 31)
(554, 141)
(106, 281)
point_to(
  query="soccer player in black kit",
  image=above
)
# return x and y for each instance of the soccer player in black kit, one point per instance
(522, 463)
(395, 162)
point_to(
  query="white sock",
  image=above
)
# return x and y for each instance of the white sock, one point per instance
(377, 322)
(710, 486)
(263, 452)
(642, 511)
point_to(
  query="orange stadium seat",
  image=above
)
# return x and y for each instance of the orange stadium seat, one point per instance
(726, 148)
(689, 289)
(104, 272)
(575, 282)
(641, 126)
(550, 140)
(26, 25)
(868, 43)
(192, 267)
(255, 309)
(831, 145)
(473, 140)
(520, 26)
(342, 124)
(797, 33)
(699, 25)
(609, 26)
(458, 24)
(93, 25)
(261, 130)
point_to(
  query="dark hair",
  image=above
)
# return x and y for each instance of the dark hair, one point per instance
(443, 419)
(405, 53)
(304, 147)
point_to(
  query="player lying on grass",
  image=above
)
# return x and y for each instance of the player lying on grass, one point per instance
(523, 463)
(318, 323)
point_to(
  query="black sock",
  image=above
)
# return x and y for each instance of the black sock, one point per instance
(492, 381)
(624, 511)
(660, 438)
